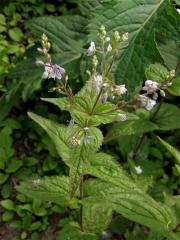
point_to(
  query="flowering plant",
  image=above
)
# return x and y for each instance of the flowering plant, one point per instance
(96, 185)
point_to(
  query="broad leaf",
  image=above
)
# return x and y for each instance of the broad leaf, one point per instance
(168, 117)
(171, 149)
(174, 89)
(54, 189)
(130, 127)
(156, 72)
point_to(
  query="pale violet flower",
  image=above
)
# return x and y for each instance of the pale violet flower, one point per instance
(138, 170)
(104, 98)
(150, 86)
(146, 102)
(53, 71)
(120, 90)
(98, 82)
(109, 48)
(92, 49)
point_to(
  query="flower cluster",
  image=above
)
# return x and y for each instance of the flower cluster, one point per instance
(50, 71)
(108, 49)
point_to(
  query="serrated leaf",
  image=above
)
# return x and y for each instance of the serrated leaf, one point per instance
(73, 232)
(171, 149)
(156, 72)
(174, 89)
(129, 204)
(54, 189)
(168, 117)
(130, 127)
(96, 215)
(58, 134)
(63, 31)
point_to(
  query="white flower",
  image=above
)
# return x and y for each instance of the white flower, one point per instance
(47, 71)
(107, 39)
(146, 102)
(138, 170)
(109, 48)
(150, 86)
(98, 82)
(92, 49)
(86, 128)
(122, 117)
(120, 90)
(178, 10)
(39, 62)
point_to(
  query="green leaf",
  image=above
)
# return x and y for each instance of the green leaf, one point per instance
(129, 203)
(15, 34)
(67, 33)
(8, 204)
(13, 165)
(174, 89)
(59, 134)
(72, 231)
(3, 177)
(115, 16)
(7, 216)
(175, 153)
(156, 72)
(168, 117)
(130, 127)
(54, 189)
(62, 103)
(96, 215)
(170, 53)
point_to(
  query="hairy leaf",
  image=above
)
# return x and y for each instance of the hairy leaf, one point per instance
(168, 117)
(54, 189)
(174, 89)
(130, 127)
(171, 149)
(156, 72)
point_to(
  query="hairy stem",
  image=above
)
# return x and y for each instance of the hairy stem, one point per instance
(81, 208)
(97, 99)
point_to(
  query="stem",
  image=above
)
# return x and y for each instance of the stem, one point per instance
(111, 63)
(97, 99)
(81, 208)
(141, 140)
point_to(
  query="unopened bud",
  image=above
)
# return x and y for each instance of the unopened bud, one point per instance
(116, 36)
(95, 61)
(125, 36)
(162, 93)
(102, 31)
(172, 73)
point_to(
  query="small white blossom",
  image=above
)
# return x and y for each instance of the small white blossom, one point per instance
(125, 36)
(146, 102)
(178, 10)
(98, 82)
(107, 39)
(92, 49)
(39, 62)
(120, 90)
(86, 128)
(138, 170)
(109, 48)
(122, 117)
(150, 86)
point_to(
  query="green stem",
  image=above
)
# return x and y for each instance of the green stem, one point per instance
(81, 208)
(97, 99)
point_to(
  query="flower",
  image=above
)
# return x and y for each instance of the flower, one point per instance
(138, 170)
(125, 36)
(53, 71)
(120, 90)
(74, 141)
(39, 62)
(109, 48)
(150, 86)
(122, 117)
(98, 82)
(86, 128)
(146, 102)
(104, 98)
(92, 49)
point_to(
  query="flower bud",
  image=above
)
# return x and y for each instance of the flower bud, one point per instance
(102, 32)
(125, 36)
(95, 61)
(162, 93)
